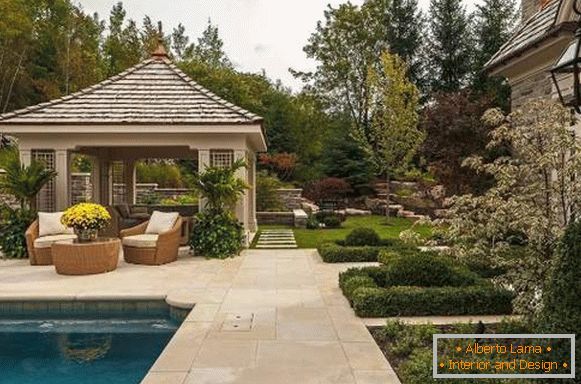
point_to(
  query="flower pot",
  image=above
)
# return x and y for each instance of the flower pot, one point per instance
(87, 235)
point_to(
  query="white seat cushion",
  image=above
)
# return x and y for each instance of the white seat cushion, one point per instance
(50, 224)
(161, 222)
(141, 241)
(48, 241)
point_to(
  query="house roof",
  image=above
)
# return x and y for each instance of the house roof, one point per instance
(538, 27)
(152, 92)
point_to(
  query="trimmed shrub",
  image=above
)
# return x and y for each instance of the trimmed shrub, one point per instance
(482, 299)
(13, 224)
(216, 235)
(331, 221)
(312, 222)
(333, 253)
(377, 274)
(355, 282)
(361, 237)
(461, 292)
(425, 269)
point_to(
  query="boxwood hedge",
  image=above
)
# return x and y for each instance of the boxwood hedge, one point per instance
(338, 252)
(420, 285)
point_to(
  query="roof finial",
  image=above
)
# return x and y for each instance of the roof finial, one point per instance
(159, 52)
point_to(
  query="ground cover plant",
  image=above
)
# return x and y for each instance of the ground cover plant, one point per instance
(408, 348)
(415, 283)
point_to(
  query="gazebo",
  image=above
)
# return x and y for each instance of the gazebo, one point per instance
(152, 110)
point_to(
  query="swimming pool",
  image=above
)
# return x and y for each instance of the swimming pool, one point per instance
(91, 346)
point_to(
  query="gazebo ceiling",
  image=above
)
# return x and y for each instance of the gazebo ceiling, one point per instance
(152, 92)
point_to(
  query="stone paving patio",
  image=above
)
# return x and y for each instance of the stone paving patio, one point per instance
(269, 316)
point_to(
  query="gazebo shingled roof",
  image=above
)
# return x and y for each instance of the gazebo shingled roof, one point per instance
(154, 91)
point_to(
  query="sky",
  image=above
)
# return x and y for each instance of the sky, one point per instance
(257, 34)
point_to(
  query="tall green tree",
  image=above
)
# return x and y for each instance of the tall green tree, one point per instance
(210, 48)
(123, 46)
(394, 137)
(180, 45)
(494, 24)
(449, 50)
(401, 24)
(345, 46)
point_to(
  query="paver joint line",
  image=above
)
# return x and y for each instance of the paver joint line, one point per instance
(302, 328)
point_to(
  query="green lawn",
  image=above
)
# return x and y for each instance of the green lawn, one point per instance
(311, 238)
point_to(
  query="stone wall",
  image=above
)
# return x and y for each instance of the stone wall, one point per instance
(7, 199)
(537, 86)
(280, 218)
(290, 198)
(81, 187)
(82, 190)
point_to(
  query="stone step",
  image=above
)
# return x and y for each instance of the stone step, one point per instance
(258, 246)
(276, 242)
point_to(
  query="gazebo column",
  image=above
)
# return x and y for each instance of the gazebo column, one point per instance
(252, 224)
(130, 177)
(25, 156)
(96, 179)
(203, 163)
(61, 187)
(241, 207)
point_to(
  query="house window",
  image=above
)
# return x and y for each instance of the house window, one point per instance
(46, 198)
(221, 158)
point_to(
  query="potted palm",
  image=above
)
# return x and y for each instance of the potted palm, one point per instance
(86, 219)
(24, 182)
(217, 232)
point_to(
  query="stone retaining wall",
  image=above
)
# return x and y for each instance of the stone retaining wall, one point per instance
(291, 198)
(275, 218)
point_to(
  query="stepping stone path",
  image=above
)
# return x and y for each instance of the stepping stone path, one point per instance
(276, 239)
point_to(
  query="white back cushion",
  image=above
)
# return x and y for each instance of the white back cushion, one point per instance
(50, 224)
(161, 222)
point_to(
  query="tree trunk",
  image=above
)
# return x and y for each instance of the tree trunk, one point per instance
(387, 192)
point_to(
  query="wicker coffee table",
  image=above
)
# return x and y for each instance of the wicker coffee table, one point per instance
(86, 258)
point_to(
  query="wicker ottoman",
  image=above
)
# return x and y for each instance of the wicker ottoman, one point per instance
(90, 258)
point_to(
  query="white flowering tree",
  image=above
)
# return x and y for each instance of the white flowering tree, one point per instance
(518, 222)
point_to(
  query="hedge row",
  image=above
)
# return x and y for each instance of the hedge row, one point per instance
(337, 252)
(334, 253)
(421, 284)
(424, 301)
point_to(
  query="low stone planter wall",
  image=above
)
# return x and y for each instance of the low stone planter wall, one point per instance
(275, 218)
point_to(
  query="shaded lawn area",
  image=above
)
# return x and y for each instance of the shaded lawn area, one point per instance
(386, 228)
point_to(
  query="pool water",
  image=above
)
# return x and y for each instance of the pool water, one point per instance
(78, 351)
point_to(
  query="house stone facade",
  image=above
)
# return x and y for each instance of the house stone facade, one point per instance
(525, 60)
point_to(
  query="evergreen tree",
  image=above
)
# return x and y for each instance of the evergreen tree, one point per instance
(405, 36)
(401, 24)
(449, 49)
(180, 42)
(561, 312)
(210, 48)
(122, 46)
(494, 23)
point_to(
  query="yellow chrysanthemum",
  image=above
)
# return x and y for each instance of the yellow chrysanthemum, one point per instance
(86, 216)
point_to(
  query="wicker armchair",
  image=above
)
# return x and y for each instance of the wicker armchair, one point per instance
(41, 256)
(40, 248)
(165, 249)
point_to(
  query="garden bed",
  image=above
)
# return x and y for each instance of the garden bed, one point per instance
(421, 284)
(408, 348)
